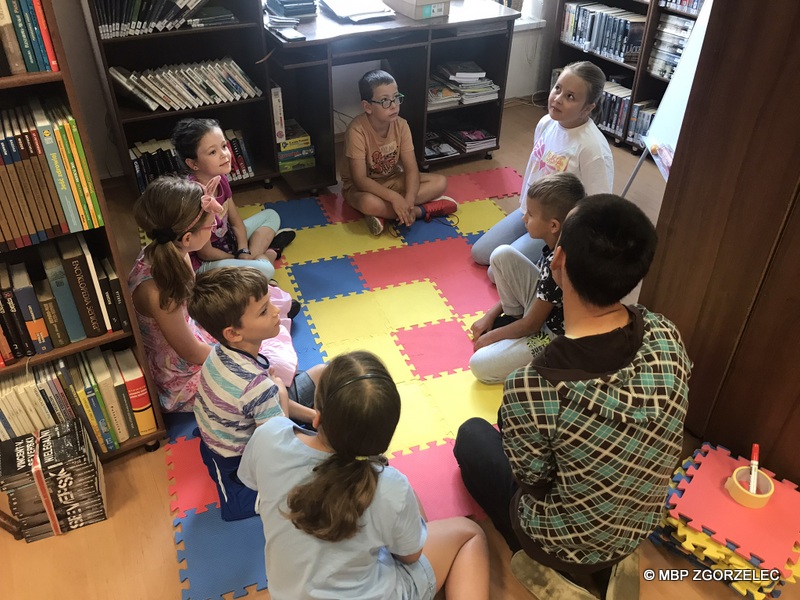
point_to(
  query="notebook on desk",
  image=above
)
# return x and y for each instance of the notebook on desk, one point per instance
(357, 11)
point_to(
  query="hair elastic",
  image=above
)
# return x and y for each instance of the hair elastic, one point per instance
(163, 236)
(359, 378)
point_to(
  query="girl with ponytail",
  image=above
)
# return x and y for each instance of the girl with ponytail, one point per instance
(177, 215)
(338, 521)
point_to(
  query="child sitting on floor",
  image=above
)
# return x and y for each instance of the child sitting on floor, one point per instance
(529, 312)
(238, 389)
(339, 522)
(178, 217)
(380, 177)
(256, 241)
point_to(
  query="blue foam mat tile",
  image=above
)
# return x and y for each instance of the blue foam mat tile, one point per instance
(327, 279)
(308, 358)
(473, 237)
(298, 214)
(221, 557)
(305, 343)
(421, 232)
(179, 425)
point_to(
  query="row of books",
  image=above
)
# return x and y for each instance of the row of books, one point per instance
(46, 188)
(642, 115)
(53, 479)
(613, 33)
(616, 100)
(105, 389)
(122, 18)
(670, 40)
(467, 79)
(469, 139)
(154, 158)
(69, 296)
(688, 6)
(436, 147)
(25, 37)
(301, 9)
(184, 86)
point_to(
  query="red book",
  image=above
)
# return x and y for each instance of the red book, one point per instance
(45, 31)
(137, 391)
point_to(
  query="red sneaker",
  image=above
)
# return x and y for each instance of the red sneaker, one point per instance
(374, 224)
(441, 207)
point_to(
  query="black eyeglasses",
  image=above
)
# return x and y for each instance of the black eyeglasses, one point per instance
(387, 102)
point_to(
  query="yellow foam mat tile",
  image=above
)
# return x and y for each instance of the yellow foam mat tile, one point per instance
(478, 216)
(340, 239)
(412, 304)
(459, 396)
(285, 281)
(249, 210)
(380, 345)
(420, 420)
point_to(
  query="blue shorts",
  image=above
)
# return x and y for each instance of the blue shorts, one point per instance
(415, 581)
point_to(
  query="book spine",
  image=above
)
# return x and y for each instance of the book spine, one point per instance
(72, 175)
(108, 298)
(76, 403)
(77, 172)
(6, 354)
(97, 215)
(55, 325)
(18, 322)
(119, 303)
(23, 38)
(46, 182)
(59, 285)
(16, 63)
(45, 31)
(34, 322)
(11, 332)
(83, 292)
(34, 34)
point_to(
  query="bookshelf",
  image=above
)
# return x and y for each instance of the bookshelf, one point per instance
(644, 83)
(242, 41)
(16, 91)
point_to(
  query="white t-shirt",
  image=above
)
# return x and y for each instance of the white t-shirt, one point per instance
(582, 150)
(303, 567)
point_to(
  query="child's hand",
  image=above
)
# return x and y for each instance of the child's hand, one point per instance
(404, 212)
(479, 327)
(484, 340)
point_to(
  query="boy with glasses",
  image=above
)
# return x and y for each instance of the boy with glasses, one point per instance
(380, 177)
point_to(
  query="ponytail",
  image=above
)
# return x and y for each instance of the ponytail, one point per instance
(166, 211)
(359, 407)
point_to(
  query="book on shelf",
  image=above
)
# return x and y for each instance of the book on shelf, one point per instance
(107, 395)
(13, 320)
(468, 139)
(436, 147)
(354, 11)
(35, 20)
(464, 70)
(296, 136)
(295, 164)
(122, 393)
(210, 16)
(28, 304)
(60, 288)
(85, 290)
(51, 313)
(66, 372)
(107, 296)
(633, 122)
(278, 121)
(183, 86)
(20, 183)
(136, 387)
(117, 294)
(300, 9)
(295, 153)
(26, 45)
(6, 354)
(8, 38)
(137, 17)
(441, 95)
(95, 402)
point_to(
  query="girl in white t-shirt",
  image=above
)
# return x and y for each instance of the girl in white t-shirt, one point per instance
(566, 139)
(339, 522)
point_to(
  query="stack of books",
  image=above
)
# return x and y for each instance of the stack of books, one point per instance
(296, 151)
(53, 479)
(671, 38)
(357, 11)
(121, 18)
(441, 96)
(613, 33)
(46, 188)
(154, 158)
(186, 86)
(300, 9)
(25, 38)
(468, 80)
(436, 147)
(105, 390)
(470, 139)
(691, 7)
(616, 100)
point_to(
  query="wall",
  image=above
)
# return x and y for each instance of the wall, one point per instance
(528, 72)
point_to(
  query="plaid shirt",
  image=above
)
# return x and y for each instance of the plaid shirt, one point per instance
(604, 448)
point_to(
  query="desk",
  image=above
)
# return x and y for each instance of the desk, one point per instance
(409, 49)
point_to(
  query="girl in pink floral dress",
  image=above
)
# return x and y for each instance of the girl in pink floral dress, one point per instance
(177, 214)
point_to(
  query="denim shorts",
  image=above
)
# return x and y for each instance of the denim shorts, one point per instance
(415, 581)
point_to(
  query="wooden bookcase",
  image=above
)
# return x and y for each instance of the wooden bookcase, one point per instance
(243, 41)
(645, 85)
(15, 91)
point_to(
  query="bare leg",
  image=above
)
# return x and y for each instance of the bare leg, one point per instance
(459, 555)
(431, 186)
(372, 205)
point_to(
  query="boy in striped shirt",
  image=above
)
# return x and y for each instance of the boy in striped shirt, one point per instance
(238, 388)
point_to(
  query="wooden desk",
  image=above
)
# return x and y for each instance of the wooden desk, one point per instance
(409, 49)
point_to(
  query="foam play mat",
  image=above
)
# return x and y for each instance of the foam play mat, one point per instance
(410, 298)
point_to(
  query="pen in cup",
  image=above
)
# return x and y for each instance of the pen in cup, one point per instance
(753, 469)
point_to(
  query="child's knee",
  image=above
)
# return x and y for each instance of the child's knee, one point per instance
(439, 183)
(484, 368)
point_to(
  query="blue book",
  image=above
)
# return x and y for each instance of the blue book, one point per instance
(29, 16)
(54, 269)
(28, 304)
